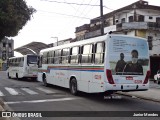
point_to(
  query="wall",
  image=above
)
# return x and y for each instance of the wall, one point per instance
(147, 13)
(156, 42)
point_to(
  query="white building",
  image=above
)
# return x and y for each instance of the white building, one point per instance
(137, 19)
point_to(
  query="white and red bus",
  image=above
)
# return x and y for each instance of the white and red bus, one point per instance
(23, 67)
(102, 64)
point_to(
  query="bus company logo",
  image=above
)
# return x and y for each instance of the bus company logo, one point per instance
(129, 78)
(6, 114)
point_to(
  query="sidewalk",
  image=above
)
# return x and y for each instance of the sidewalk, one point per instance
(151, 94)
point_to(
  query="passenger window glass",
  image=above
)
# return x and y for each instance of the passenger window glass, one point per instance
(87, 54)
(99, 53)
(74, 55)
(65, 55)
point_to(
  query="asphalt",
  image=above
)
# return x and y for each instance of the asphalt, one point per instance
(153, 94)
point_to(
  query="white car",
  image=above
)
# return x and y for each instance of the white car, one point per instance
(157, 77)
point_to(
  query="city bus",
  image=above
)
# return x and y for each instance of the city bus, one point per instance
(91, 65)
(23, 67)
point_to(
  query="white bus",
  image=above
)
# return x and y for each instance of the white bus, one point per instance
(107, 63)
(21, 67)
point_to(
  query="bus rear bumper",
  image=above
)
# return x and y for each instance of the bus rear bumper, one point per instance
(126, 87)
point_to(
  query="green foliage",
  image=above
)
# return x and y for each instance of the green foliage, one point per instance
(14, 14)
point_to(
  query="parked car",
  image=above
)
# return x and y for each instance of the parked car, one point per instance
(157, 77)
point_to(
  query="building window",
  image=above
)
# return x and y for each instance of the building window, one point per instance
(130, 18)
(10, 45)
(150, 39)
(140, 18)
(123, 20)
(4, 44)
(158, 19)
(150, 17)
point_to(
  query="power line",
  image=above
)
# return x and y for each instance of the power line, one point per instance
(73, 20)
(85, 8)
(76, 4)
(69, 3)
(64, 14)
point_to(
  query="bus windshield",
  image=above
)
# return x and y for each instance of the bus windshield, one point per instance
(32, 59)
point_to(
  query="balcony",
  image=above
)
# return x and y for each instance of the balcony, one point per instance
(138, 25)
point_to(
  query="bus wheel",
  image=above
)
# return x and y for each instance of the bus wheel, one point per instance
(9, 76)
(73, 86)
(45, 81)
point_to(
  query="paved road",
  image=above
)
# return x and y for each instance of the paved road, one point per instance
(25, 95)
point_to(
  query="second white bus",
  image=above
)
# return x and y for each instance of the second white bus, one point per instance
(92, 65)
(23, 67)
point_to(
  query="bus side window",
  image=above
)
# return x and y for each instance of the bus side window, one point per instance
(57, 57)
(50, 57)
(74, 55)
(60, 56)
(40, 61)
(44, 61)
(21, 62)
(65, 54)
(53, 57)
(15, 62)
(47, 58)
(99, 53)
(87, 54)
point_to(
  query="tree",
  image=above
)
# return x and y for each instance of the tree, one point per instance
(14, 14)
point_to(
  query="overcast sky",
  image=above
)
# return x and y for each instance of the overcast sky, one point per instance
(59, 18)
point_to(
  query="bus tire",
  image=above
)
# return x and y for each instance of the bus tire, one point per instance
(9, 76)
(45, 80)
(73, 86)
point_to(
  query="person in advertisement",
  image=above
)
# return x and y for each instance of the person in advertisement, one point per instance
(133, 67)
(120, 64)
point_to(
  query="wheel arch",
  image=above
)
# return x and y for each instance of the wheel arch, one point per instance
(71, 77)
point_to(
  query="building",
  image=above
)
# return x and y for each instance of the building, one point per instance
(137, 19)
(6, 51)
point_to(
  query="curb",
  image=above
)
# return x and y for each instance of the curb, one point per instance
(138, 96)
(3, 108)
(2, 105)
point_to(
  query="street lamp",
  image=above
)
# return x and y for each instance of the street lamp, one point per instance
(56, 38)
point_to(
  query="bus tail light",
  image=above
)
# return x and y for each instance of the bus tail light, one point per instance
(147, 77)
(109, 76)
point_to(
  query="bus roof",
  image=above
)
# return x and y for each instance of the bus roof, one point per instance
(87, 41)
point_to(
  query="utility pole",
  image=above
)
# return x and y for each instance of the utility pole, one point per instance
(101, 18)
